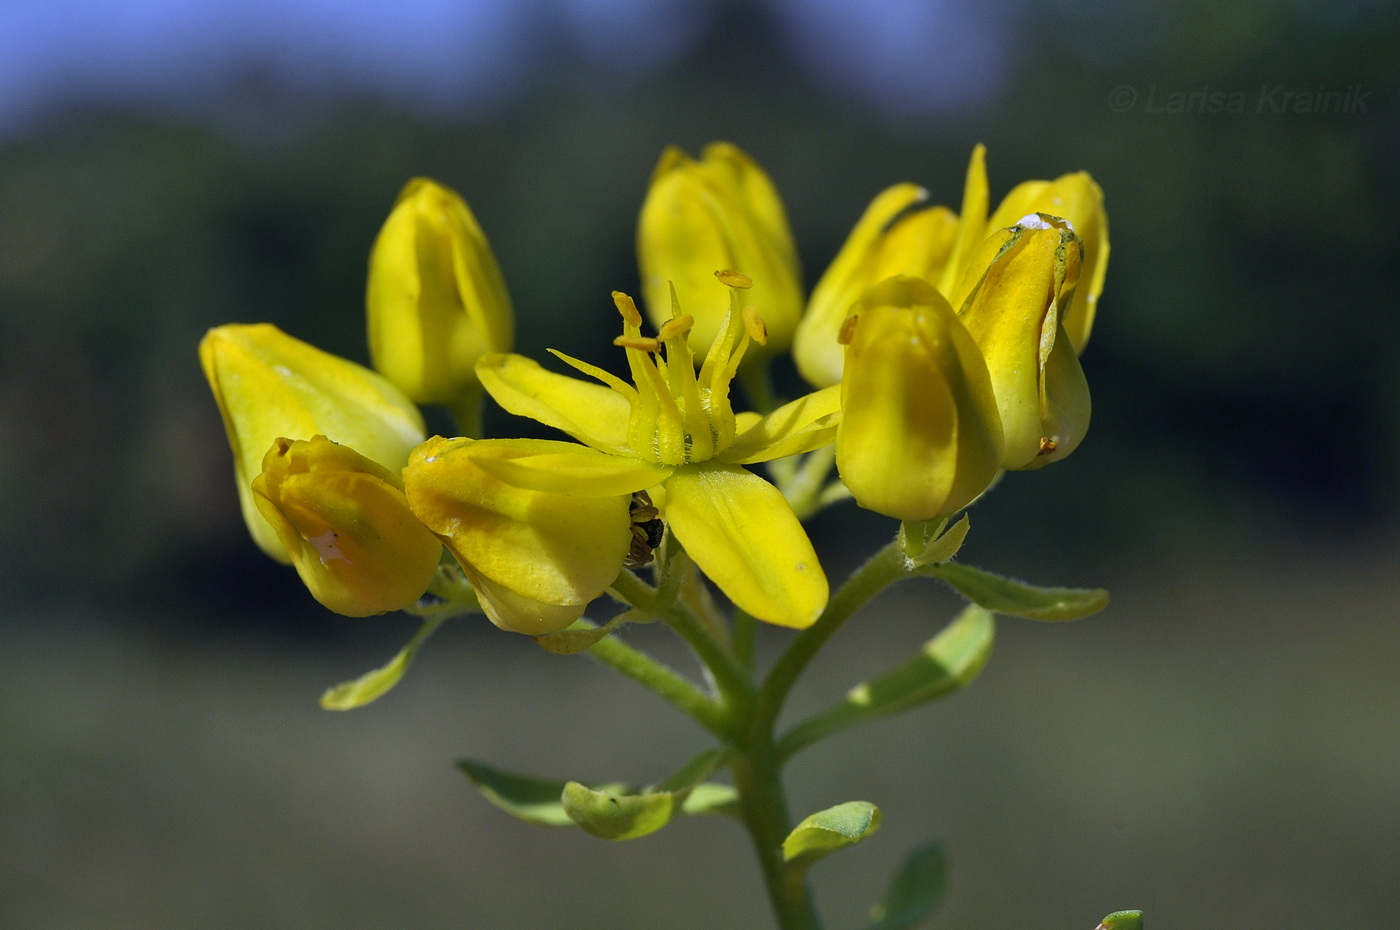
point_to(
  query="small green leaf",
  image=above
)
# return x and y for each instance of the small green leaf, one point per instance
(826, 831)
(1004, 596)
(947, 663)
(374, 684)
(1121, 920)
(581, 635)
(616, 815)
(932, 545)
(533, 800)
(915, 893)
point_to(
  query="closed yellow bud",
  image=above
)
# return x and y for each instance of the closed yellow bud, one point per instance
(268, 385)
(536, 558)
(919, 435)
(435, 296)
(1012, 301)
(900, 233)
(719, 213)
(1079, 201)
(346, 524)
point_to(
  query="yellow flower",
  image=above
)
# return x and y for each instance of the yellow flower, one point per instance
(1079, 201)
(269, 385)
(1014, 309)
(675, 431)
(719, 212)
(435, 296)
(535, 557)
(346, 524)
(900, 233)
(920, 436)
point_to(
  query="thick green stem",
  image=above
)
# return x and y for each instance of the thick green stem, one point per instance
(883, 569)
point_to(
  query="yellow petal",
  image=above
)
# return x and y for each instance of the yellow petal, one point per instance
(972, 223)
(269, 385)
(516, 613)
(568, 468)
(798, 426)
(590, 413)
(741, 533)
(554, 548)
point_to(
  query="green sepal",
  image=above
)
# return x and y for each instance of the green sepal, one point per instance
(916, 891)
(926, 543)
(1121, 920)
(1018, 599)
(533, 800)
(824, 832)
(582, 634)
(374, 684)
(947, 663)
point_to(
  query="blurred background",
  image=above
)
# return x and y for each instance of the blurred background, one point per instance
(1219, 747)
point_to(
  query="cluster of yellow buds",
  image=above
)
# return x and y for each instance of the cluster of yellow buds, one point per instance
(941, 349)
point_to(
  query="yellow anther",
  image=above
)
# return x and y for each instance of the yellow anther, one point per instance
(733, 278)
(674, 328)
(628, 308)
(645, 343)
(848, 329)
(758, 330)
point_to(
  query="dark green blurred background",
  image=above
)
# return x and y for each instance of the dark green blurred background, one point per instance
(1220, 747)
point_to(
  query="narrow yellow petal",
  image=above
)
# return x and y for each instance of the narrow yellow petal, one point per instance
(590, 413)
(568, 468)
(798, 426)
(742, 533)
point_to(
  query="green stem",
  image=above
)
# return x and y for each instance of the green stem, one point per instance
(758, 386)
(883, 569)
(670, 685)
(466, 410)
(763, 806)
(742, 638)
(804, 490)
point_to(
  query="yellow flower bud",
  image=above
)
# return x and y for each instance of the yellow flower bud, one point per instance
(721, 212)
(346, 523)
(900, 233)
(268, 384)
(919, 435)
(536, 558)
(1079, 201)
(436, 298)
(1017, 288)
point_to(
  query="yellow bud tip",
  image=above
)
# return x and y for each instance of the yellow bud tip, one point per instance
(674, 328)
(848, 330)
(758, 330)
(1047, 446)
(732, 278)
(628, 308)
(645, 343)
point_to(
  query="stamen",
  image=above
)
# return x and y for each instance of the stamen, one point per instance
(628, 308)
(758, 330)
(645, 343)
(1047, 446)
(733, 278)
(673, 328)
(848, 330)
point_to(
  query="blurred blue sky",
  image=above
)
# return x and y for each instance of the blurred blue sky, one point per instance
(907, 57)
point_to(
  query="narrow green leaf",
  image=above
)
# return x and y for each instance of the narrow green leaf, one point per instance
(534, 800)
(696, 770)
(711, 798)
(947, 663)
(824, 832)
(616, 815)
(1005, 596)
(1121, 920)
(915, 893)
(374, 684)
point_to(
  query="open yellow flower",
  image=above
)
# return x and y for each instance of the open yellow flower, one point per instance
(536, 558)
(347, 526)
(676, 430)
(269, 385)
